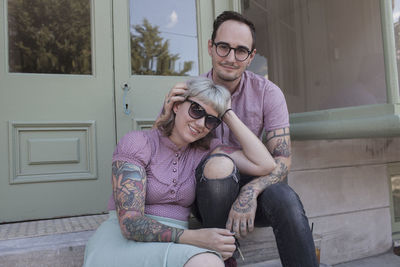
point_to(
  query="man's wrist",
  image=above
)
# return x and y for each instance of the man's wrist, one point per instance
(252, 187)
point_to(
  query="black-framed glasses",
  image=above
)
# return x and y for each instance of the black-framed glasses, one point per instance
(241, 52)
(196, 111)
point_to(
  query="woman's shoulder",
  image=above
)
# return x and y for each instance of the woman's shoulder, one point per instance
(136, 145)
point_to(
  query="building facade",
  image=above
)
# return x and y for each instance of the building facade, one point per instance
(76, 75)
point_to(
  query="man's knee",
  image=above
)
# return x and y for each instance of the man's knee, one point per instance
(281, 199)
(218, 166)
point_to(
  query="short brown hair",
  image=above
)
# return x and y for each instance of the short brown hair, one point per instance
(232, 15)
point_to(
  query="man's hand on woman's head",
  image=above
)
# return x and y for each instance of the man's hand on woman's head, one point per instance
(173, 96)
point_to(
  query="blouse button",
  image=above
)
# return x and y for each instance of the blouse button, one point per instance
(174, 181)
(174, 170)
(176, 154)
(174, 162)
(172, 191)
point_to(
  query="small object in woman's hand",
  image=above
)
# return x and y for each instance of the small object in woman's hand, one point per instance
(238, 248)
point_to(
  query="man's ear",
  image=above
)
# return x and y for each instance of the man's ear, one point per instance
(210, 45)
(251, 57)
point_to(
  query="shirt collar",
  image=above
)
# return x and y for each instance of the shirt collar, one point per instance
(168, 143)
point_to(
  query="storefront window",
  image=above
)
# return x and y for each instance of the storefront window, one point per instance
(322, 53)
(396, 197)
(396, 21)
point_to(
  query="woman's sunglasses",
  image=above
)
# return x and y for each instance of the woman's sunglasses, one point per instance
(196, 112)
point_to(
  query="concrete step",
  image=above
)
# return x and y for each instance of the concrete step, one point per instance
(57, 243)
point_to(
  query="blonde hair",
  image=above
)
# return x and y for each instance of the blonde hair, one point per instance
(208, 92)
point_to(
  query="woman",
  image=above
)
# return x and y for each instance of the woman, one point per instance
(153, 178)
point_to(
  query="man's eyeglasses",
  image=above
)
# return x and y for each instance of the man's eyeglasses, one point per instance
(241, 53)
(196, 112)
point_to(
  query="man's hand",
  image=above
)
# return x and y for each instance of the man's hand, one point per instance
(173, 96)
(243, 211)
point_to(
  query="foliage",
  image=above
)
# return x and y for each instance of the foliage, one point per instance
(150, 53)
(49, 36)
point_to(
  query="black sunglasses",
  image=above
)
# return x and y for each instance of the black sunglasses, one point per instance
(196, 111)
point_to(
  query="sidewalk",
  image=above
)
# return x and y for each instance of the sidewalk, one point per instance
(384, 260)
(61, 243)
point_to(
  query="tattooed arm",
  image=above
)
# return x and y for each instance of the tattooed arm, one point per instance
(129, 189)
(241, 216)
(254, 158)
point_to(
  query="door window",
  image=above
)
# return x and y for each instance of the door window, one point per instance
(49, 36)
(163, 42)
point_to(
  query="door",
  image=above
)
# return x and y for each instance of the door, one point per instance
(155, 50)
(66, 98)
(57, 126)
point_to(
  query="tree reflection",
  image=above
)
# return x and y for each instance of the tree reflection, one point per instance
(150, 53)
(49, 36)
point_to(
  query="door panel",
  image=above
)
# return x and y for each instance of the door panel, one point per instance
(55, 111)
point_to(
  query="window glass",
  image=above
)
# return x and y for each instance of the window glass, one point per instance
(49, 36)
(396, 21)
(164, 37)
(322, 53)
(396, 196)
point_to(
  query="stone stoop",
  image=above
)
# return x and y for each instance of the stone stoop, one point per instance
(56, 243)
(55, 250)
(61, 243)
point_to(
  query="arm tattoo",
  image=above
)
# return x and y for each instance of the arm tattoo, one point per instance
(275, 133)
(277, 175)
(278, 142)
(281, 149)
(245, 197)
(149, 230)
(129, 189)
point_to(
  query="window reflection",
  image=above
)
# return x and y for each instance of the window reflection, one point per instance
(396, 196)
(163, 42)
(396, 21)
(322, 53)
(49, 36)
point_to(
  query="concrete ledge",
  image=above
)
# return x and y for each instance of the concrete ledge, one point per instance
(59, 250)
(67, 249)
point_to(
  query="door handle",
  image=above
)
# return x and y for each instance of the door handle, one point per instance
(125, 86)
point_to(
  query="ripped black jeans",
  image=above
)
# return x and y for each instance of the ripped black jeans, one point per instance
(278, 206)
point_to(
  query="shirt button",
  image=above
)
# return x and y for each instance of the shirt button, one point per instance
(174, 162)
(174, 170)
(174, 181)
(172, 191)
(176, 154)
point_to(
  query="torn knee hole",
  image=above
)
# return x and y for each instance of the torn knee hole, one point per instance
(218, 167)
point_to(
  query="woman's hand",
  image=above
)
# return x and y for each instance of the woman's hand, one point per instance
(220, 240)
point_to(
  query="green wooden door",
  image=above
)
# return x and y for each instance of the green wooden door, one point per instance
(73, 81)
(57, 127)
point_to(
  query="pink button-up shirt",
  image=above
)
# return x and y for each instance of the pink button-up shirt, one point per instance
(170, 171)
(259, 103)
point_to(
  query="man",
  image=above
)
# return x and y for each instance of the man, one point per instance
(260, 104)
